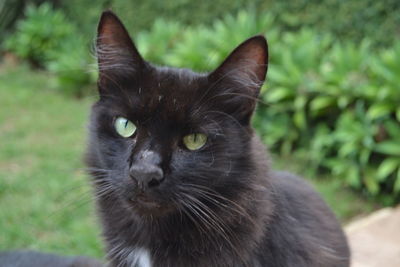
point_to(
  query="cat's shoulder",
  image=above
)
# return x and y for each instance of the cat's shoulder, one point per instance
(294, 188)
(287, 180)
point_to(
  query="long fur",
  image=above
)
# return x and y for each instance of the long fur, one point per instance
(218, 206)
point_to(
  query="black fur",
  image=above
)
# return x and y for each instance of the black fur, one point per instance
(218, 206)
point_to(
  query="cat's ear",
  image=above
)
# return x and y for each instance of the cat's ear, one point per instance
(117, 56)
(239, 78)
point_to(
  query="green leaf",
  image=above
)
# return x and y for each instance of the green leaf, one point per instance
(387, 167)
(299, 119)
(371, 184)
(278, 76)
(389, 148)
(278, 94)
(300, 102)
(364, 156)
(321, 102)
(379, 110)
(393, 128)
(347, 149)
(353, 176)
(396, 187)
(343, 101)
(398, 114)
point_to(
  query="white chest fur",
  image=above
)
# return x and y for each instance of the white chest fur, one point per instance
(139, 257)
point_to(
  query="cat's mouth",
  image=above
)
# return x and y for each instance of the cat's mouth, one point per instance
(144, 201)
(146, 205)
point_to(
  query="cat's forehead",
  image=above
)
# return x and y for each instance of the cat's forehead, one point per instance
(175, 81)
(170, 94)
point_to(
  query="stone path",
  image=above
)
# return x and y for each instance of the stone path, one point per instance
(375, 239)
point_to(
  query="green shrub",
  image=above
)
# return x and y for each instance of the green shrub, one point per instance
(200, 48)
(41, 32)
(140, 15)
(48, 40)
(73, 68)
(352, 20)
(336, 104)
(292, 80)
(346, 20)
(158, 42)
(11, 11)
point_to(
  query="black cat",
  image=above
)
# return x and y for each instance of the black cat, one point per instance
(180, 177)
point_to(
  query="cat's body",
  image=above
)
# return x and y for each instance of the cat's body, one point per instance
(181, 179)
(212, 201)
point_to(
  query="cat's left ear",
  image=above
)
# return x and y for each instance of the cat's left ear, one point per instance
(117, 56)
(239, 78)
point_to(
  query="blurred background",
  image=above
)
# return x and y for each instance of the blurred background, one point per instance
(330, 109)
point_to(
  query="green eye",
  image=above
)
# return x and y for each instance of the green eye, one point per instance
(124, 127)
(194, 141)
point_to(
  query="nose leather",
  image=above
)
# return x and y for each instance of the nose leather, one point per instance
(145, 170)
(146, 175)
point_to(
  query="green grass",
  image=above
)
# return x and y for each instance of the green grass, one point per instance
(45, 199)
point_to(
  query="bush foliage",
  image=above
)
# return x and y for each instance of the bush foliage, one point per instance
(43, 31)
(332, 102)
(352, 20)
(48, 40)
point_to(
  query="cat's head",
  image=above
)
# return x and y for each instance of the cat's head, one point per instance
(164, 137)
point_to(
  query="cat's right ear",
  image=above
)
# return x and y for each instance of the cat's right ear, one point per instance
(116, 54)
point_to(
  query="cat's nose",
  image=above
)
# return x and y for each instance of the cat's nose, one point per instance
(146, 175)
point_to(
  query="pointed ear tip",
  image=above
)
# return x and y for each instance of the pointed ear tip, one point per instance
(109, 21)
(107, 15)
(261, 41)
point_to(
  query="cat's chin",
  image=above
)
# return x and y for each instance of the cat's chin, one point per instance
(146, 206)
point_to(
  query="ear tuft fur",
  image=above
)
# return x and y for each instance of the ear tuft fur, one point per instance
(247, 64)
(239, 78)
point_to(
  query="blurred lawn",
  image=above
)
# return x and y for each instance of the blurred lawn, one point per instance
(45, 199)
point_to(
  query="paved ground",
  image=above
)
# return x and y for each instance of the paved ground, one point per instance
(375, 240)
